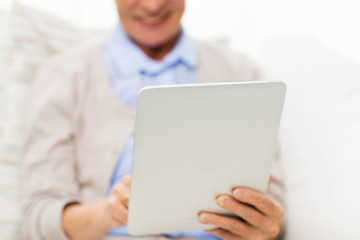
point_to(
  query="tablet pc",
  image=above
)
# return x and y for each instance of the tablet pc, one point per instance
(194, 142)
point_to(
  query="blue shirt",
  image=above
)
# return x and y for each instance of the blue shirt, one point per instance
(129, 69)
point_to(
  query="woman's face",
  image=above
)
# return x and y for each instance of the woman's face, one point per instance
(151, 23)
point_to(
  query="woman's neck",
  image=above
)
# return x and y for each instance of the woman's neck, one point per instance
(159, 52)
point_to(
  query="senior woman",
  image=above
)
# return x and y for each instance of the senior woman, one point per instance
(79, 142)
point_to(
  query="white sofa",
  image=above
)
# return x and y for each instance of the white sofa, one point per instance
(319, 139)
(28, 38)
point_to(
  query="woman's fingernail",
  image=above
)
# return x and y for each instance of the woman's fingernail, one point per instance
(222, 201)
(238, 193)
(205, 218)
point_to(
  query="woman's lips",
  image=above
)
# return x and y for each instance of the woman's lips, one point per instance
(153, 21)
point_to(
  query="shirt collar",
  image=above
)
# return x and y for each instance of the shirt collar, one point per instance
(129, 59)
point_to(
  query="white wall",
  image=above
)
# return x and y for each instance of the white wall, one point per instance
(251, 23)
(248, 24)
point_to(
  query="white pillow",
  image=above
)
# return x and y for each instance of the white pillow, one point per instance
(319, 138)
(9, 215)
(28, 38)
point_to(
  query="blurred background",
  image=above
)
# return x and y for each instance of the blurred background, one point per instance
(246, 24)
(312, 45)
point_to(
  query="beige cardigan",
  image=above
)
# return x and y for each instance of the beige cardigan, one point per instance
(77, 127)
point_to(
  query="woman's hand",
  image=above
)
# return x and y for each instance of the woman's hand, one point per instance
(258, 216)
(91, 221)
(118, 202)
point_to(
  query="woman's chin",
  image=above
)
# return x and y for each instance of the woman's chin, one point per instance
(153, 42)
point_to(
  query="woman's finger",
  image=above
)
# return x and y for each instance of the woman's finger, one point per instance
(117, 210)
(233, 225)
(251, 215)
(224, 234)
(259, 201)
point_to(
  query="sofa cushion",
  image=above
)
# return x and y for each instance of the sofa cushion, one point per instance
(28, 38)
(319, 138)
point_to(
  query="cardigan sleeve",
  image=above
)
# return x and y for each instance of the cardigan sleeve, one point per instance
(48, 173)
